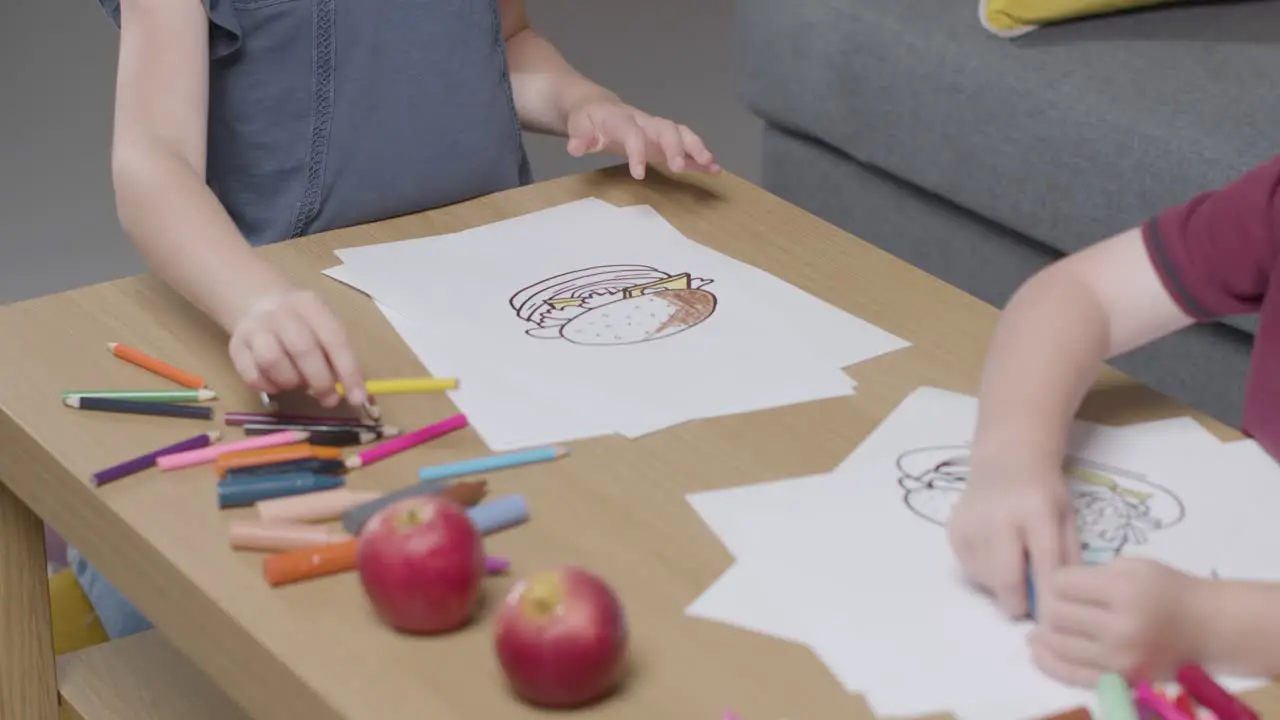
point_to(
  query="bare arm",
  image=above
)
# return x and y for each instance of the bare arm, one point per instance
(1240, 627)
(545, 86)
(158, 163)
(1055, 333)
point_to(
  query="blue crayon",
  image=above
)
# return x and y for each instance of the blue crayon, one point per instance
(252, 489)
(489, 463)
(490, 517)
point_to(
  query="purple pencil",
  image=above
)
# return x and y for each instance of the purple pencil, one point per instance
(248, 418)
(142, 462)
(496, 565)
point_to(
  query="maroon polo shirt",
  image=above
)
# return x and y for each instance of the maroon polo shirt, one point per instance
(1215, 256)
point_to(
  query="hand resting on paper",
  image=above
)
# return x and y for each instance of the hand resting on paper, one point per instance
(291, 340)
(613, 126)
(1014, 509)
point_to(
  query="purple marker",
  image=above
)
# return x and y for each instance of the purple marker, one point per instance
(496, 565)
(142, 462)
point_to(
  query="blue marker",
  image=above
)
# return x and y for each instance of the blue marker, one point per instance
(490, 517)
(489, 463)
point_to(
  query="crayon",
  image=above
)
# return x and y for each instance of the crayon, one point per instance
(386, 449)
(163, 369)
(143, 462)
(1212, 696)
(306, 464)
(162, 396)
(249, 418)
(211, 453)
(272, 455)
(314, 507)
(314, 562)
(268, 428)
(1157, 703)
(281, 536)
(394, 386)
(190, 412)
(250, 490)
(466, 493)
(496, 565)
(1115, 700)
(489, 463)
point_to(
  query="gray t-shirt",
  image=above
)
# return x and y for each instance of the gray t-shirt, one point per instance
(331, 113)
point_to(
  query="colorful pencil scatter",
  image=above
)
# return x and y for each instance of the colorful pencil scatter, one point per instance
(490, 463)
(163, 369)
(1212, 696)
(162, 396)
(143, 462)
(396, 386)
(190, 412)
(249, 418)
(1158, 704)
(386, 449)
(268, 428)
(213, 452)
(466, 493)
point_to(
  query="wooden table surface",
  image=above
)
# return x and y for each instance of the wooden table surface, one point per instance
(315, 650)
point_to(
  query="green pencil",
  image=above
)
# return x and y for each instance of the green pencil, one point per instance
(157, 396)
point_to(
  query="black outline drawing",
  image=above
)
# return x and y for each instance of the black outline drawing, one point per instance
(1114, 507)
(571, 306)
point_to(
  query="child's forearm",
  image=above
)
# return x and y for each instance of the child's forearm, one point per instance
(1048, 347)
(546, 88)
(1240, 627)
(186, 236)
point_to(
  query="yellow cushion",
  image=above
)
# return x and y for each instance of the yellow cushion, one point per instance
(75, 624)
(1010, 18)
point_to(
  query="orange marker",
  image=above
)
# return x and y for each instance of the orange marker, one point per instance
(163, 369)
(278, 454)
(307, 563)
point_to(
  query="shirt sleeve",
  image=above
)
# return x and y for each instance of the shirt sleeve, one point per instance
(1215, 254)
(224, 29)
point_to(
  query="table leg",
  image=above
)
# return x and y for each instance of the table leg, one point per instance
(28, 675)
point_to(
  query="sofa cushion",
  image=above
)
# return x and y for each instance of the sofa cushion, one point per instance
(1068, 135)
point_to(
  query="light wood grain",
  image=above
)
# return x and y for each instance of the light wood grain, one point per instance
(28, 688)
(141, 677)
(315, 650)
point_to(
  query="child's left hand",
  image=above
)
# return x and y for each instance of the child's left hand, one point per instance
(616, 127)
(1132, 616)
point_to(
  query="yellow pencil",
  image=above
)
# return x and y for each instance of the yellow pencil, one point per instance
(392, 386)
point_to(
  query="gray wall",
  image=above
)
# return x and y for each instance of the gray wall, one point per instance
(58, 228)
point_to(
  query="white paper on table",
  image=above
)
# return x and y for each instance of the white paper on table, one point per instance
(743, 358)
(747, 600)
(1249, 549)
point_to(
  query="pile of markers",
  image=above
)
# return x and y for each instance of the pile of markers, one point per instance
(1198, 697)
(293, 472)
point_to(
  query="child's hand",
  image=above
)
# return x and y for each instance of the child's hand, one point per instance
(1131, 616)
(616, 127)
(1013, 509)
(292, 340)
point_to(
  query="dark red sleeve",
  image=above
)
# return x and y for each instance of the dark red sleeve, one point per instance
(1215, 253)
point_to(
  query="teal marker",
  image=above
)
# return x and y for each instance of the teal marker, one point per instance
(490, 463)
(246, 491)
(1115, 699)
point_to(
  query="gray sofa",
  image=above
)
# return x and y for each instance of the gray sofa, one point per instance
(980, 159)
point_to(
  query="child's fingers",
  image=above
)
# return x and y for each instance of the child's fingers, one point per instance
(336, 347)
(273, 362)
(1044, 544)
(667, 136)
(246, 366)
(637, 146)
(695, 147)
(295, 333)
(1006, 558)
(1045, 652)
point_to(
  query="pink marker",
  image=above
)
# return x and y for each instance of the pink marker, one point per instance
(386, 449)
(1158, 704)
(496, 565)
(208, 454)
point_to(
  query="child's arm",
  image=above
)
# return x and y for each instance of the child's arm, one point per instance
(282, 338)
(1241, 627)
(552, 97)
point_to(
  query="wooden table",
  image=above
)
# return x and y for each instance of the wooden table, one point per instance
(315, 650)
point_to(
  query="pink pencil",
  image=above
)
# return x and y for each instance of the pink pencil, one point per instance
(1157, 703)
(209, 454)
(386, 449)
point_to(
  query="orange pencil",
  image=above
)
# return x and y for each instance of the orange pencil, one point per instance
(163, 369)
(270, 456)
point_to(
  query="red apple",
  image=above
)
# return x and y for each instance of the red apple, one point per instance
(421, 562)
(562, 638)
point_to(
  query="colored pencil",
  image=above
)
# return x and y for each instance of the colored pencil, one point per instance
(323, 560)
(266, 402)
(250, 418)
(464, 493)
(333, 466)
(385, 431)
(1213, 697)
(253, 489)
(213, 452)
(1115, 699)
(386, 449)
(143, 462)
(397, 386)
(490, 463)
(273, 456)
(164, 396)
(163, 369)
(314, 507)
(280, 536)
(191, 412)
(341, 438)
(1157, 703)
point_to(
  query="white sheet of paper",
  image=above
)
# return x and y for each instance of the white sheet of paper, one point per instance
(1249, 549)
(743, 358)
(880, 588)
